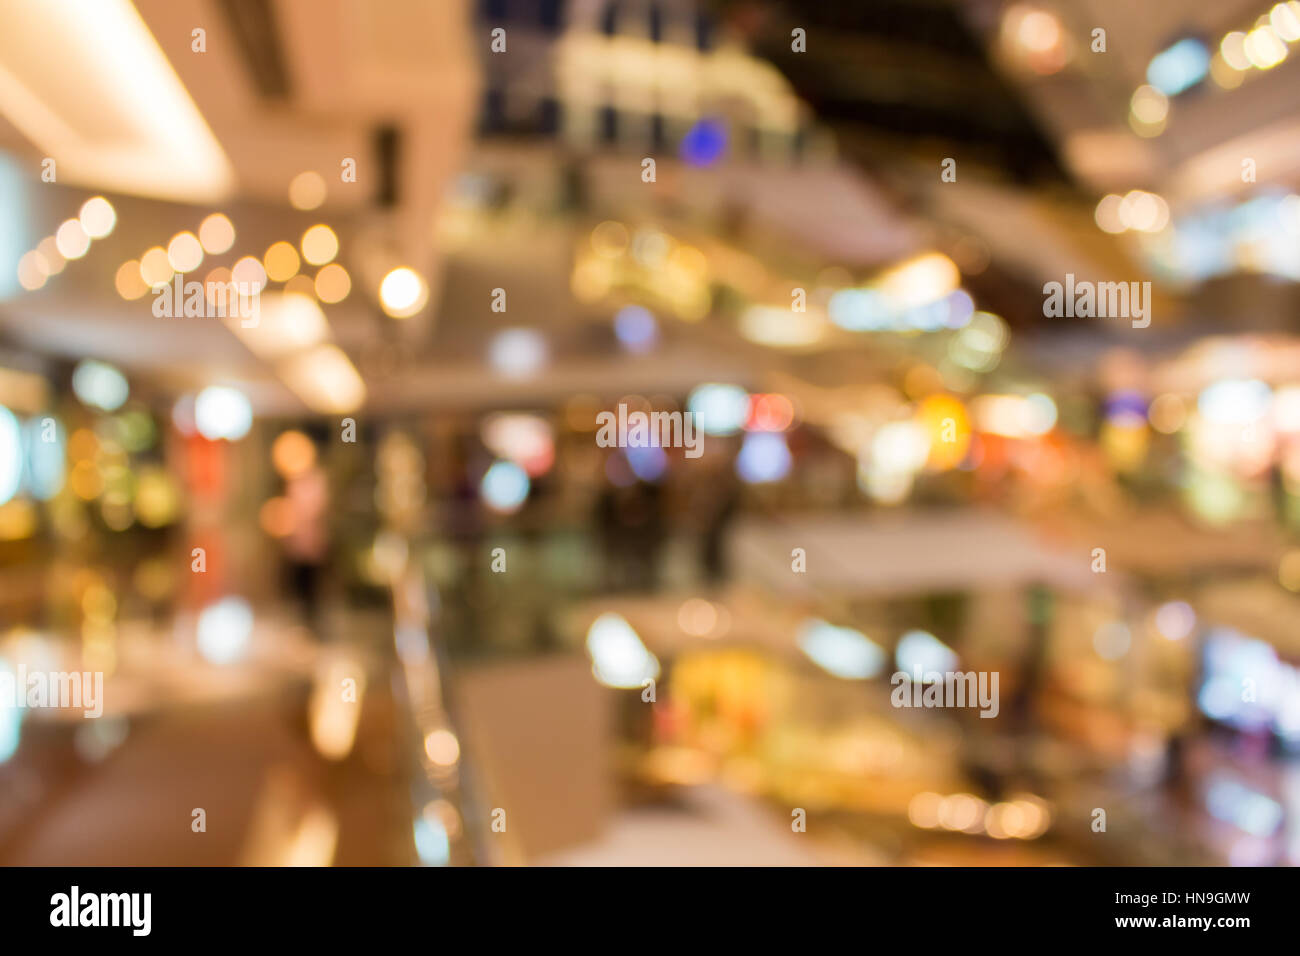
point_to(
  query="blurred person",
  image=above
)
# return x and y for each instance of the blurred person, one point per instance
(714, 506)
(306, 546)
(646, 534)
(632, 529)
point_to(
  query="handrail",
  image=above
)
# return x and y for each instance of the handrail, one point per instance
(450, 825)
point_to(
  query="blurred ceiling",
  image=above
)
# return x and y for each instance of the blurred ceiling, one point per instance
(284, 87)
(486, 171)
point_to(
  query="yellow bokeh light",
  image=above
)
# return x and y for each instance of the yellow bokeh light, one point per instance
(213, 283)
(403, 293)
(697, 617)
(72, 240)
(609, 239)
(442, 747)
(98, 603)
(184, 252)
(1233, 50)
(333, 284)
(83, 445)
(97, 217)
(32, 271)
(281, 262)
(250, 275)
(128, 282)
(1264, 48)
(1288, 570)
(276, 517)
(921, 280)
(292, 454)
(18, 519)
(1167, 413)
(307, 190)
(300, 285)
(923, 810)
(217, 233)
(1149, 105)
(155, 267)
(85, 480)
(319, 245)
(1107, 214)
(157, 499)
(49, 250)
(1224, 74)
(945, 420)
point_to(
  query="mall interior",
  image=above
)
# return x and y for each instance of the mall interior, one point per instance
(649, 432)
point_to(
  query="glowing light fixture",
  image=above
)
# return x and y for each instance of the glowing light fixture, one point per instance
(100, 385)
(1234, 401)
(221, 412)
(920, 652)
(431, 842)
(88, 84)
(325, 379)
(11, 455)
(225, 630)
(517, 353)
(1179, 67)
(403, 292)
(841, 651)
(15, 199)
(921, 281)
(618, 658)
(46, 458)
(719, 409)
(11, 718)
(780, 327)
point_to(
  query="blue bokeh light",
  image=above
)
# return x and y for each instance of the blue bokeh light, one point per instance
(1180, 67)
(505, 486)
(704, 143)
(764, 457)
(648, 464)
(636, 328)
